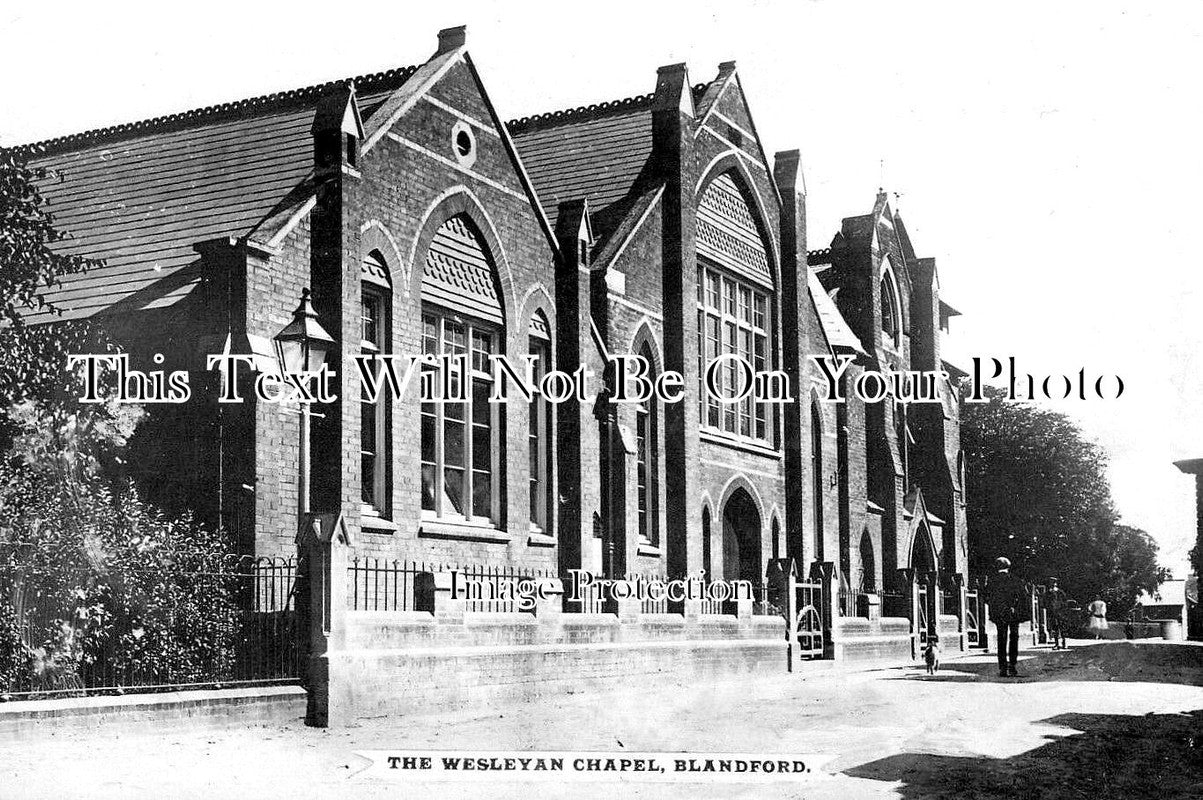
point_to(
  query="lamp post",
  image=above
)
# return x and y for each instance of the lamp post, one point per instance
(301, 349)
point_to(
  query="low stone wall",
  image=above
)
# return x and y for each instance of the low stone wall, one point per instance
(401, 663)
(153, 713)
(881, 639)
(443, 655)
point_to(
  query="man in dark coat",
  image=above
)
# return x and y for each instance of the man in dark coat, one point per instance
(1010, 604)
(1057, 604)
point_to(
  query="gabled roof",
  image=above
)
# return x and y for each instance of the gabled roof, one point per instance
(141, 195)
(1168, 593)
(914, 507)
(595, 153)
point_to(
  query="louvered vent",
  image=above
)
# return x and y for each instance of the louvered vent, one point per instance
(459, 275)
(727, 233)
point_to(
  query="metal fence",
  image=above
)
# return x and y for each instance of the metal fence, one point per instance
(500, 589)
(973, 618)
(233, 622)
(381, 584)
(896, 603)
(809, 627)
(766, 602)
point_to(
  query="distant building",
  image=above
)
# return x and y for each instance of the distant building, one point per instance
(1173, 601)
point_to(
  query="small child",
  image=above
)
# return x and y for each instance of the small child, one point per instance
(931, 655)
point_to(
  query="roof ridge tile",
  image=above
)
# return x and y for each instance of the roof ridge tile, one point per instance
(216, 111)
(552, 118)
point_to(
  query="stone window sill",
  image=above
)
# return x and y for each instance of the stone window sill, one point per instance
(371, 522)
(728, 440)
(449, 529)
(538, 538)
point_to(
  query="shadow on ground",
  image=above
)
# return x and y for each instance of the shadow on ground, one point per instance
(1157, 662)
(1104, 756)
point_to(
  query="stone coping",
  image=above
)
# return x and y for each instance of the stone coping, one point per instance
(149, 701)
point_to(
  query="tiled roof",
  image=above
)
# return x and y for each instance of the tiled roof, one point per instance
(595, 152)
(141, 195)
(839, 335)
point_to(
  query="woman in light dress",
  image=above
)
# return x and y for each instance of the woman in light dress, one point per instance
(1098, 618)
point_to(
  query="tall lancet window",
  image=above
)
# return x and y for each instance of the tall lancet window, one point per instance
(647, 475)
(540, 439)
(374, 450)
(891, 318)
(462, 323)
(734, 305)
(816, 472)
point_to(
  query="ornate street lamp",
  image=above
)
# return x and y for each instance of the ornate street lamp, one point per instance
(301, 348)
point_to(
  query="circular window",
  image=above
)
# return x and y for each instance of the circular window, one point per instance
(463, 143)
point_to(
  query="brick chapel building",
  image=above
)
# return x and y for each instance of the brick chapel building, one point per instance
(654, 225)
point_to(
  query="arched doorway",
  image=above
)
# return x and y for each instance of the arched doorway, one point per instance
(925, 565)
(923, 552)
(741, 538)
(868, 564)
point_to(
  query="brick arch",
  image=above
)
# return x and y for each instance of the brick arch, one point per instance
(923, 544)
(741, 548)
(538, 301)
(886, 269)
(736, 482)
(645, 335)
(731, 163)
(374, 235)
(777, 531)
(460, 200)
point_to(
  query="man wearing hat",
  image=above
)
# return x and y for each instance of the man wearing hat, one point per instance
(1058, 607)
(1009, 606)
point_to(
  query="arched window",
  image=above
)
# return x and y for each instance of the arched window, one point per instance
(816, 471)
(734, 290)
(902, 434)
(961, 473)
(707, 563)
(541, 425)
(647, 476)
(375, 335)
(891, 319)
(868, 564)
(462, 325)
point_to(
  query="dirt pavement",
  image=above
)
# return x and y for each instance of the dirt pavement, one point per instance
(1108, 720)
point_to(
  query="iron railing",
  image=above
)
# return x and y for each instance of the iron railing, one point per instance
(809, 626)
(500, 589)
(765, 602)
(381, 584)
(895, 603)
(232, 622)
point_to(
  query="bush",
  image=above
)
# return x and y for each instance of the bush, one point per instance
(14, 658)
(117, 593)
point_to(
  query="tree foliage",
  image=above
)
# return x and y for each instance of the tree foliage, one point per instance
(90, 574)
(27, 233)
(1038, 494)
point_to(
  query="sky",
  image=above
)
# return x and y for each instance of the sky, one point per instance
(1044, 154)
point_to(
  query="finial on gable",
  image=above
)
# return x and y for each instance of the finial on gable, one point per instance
(337, 110)
(337, 129)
